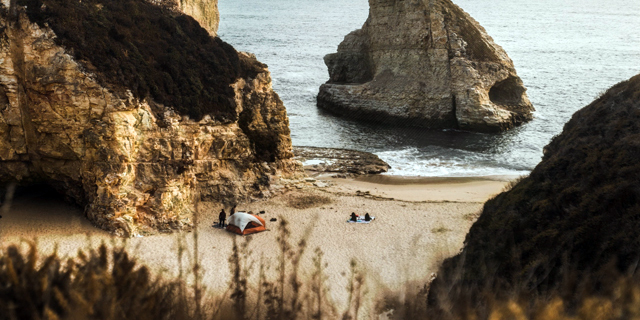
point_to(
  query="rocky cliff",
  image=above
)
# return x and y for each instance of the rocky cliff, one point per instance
(134, 112)
(204, 11)
(567, 227)
(424, 63)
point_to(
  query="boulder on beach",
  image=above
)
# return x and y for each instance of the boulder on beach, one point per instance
(424, 64)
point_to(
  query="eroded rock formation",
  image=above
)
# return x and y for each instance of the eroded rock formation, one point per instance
(136, 165)
(570, 230)
(343, 162)
(424, 63)
(204, 11)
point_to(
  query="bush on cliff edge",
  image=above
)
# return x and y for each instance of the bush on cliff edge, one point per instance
(575, 216)
(154, 52)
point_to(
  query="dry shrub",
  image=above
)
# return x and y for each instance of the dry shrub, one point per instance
(98, 284)
(579, 208)
(286, 296)
(308, 201)
(513, 183)
(137, 46)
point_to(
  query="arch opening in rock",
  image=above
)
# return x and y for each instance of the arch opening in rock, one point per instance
(507, 92)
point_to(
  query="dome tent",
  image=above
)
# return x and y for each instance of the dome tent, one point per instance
(243, 223)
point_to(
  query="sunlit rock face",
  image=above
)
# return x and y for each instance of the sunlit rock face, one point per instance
(134, 164)
(424, 63)
(204, 11)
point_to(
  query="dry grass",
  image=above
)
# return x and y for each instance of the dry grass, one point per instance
(98, 284)
(513, 183)
(307, 201)
(440, 230)
(472, 216)
(106, 283)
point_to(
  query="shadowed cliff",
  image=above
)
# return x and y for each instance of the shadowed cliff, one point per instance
(566, 228)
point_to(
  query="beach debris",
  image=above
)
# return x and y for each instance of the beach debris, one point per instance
(321, 184)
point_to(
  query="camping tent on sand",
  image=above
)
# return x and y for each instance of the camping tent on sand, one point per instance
(243, 223)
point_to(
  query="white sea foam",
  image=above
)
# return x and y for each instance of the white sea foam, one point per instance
(312, 162)
(411, 162)
(569, 44)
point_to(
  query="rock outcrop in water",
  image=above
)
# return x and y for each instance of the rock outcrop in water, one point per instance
(568, 226)
(424, 63)
(134, 112)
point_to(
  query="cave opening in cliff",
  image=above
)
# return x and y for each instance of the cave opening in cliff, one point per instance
(507, 92)
(41, 191)
(39, 206)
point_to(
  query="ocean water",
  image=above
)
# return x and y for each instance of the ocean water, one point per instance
(566, 52)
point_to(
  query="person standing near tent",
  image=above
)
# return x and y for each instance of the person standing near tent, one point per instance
(233, 210)
(222, 218)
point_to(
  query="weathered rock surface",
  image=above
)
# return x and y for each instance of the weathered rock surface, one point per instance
(204, 11)
(569, 229)
(341, 161)
(424, 63)
(135, 165)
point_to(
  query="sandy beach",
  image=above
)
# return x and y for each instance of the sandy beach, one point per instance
(418, 223)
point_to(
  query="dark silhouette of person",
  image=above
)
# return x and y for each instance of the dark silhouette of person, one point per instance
(354, 218)
(233, 210)
(367, 217)
(222, 218)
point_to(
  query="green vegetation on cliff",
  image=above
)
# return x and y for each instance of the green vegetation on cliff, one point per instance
(156, 53)
(575, 219)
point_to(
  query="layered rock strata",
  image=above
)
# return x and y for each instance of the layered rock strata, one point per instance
(571, 229)
(134, 164)
(424, 63)
(341, 161)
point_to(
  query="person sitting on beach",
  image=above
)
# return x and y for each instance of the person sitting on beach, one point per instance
(367, 217)
(222, 218)
(354, 218)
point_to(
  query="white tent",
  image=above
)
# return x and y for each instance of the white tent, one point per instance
(241, 219)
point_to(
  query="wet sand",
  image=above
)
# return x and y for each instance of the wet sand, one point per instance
(424, 223)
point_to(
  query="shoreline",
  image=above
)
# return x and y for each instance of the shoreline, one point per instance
(421, 189)
(386, 179)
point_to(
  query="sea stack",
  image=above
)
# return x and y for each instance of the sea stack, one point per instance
(424, 63)
(134, 112)
(570, 230)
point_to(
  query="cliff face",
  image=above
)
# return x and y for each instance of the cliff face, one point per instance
(135, 164)
(562, 229)
(204, 11)
(424, 63)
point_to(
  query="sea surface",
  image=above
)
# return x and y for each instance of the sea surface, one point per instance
(567, 53)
